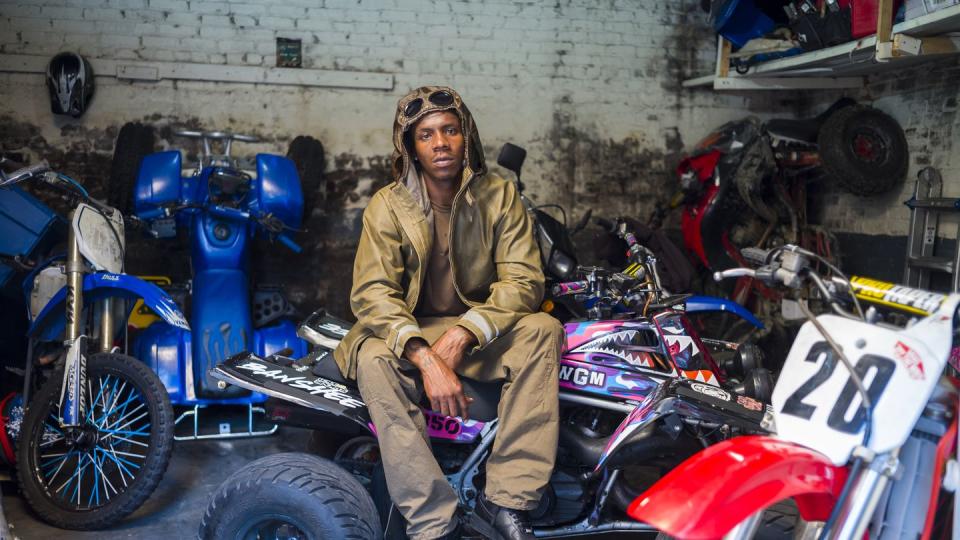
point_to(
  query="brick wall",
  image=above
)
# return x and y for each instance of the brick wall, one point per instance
(923, 100)
(591, 89)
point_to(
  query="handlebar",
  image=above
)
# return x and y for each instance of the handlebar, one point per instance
(216, 135)
(734, 273)
(229, 214)
(24, 174)
(570, 287)
(287, 241)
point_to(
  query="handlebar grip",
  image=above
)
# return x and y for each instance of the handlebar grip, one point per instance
(153, 213)
(734, 272)
(25, 173)
(569, 287)
(754, 255)
(287, 241)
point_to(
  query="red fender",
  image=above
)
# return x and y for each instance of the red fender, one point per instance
(714, 490)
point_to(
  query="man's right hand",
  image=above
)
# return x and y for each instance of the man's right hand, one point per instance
(441, 383)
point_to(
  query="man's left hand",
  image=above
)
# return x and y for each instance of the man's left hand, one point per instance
(453, 344)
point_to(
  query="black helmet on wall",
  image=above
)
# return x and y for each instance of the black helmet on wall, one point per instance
(70, 82)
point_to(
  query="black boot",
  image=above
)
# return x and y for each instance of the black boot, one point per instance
(499, 523)
(456, 533)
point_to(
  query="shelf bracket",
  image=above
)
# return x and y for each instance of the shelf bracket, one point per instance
(904, 45)
(884, 30)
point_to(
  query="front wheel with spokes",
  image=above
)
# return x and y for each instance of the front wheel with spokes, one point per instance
(90, 476)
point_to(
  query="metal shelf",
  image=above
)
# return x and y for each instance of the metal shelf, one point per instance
(844, 66)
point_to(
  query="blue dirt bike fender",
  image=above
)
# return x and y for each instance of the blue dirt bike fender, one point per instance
(49, 324)
(699, 304)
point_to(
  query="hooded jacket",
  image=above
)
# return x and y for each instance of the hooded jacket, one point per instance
(494, 257)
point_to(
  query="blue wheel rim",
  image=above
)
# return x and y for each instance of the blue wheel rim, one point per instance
(91, 466)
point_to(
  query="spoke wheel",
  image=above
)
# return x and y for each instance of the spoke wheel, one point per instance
(91, 475)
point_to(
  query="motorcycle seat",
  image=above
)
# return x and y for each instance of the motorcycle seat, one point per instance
(486, 395)
(804, 130)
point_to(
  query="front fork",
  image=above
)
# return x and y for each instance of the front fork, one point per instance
(858, 507)
(861, 503)
(74, 372)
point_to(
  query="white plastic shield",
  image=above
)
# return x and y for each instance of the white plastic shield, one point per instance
(816, 403)
(99, 237)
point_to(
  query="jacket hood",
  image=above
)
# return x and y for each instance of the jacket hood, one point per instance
(433, 99)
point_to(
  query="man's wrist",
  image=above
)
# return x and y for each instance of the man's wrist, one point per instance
(464, 337)
(414, 349)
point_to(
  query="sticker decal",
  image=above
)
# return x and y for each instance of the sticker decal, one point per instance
(910, 360)
(711, 391)
(749, 403)
(582, 376)
(334, 328)
(318, 387)
(914, 300)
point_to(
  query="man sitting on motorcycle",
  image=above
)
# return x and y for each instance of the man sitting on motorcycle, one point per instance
(447, 283)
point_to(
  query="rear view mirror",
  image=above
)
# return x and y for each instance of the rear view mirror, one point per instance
(511, 158)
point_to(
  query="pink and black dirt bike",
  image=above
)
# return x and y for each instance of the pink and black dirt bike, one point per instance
(865, 416)
(637, 396)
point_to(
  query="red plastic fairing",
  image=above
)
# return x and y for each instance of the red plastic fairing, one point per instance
(710, 493)
(692, 217)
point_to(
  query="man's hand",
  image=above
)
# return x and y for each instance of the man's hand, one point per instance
(452, 345)
(439, 381)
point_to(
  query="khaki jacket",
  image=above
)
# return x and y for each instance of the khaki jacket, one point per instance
(493, 256)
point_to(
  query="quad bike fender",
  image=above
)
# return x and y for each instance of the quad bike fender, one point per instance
(713, 491)
(318, 393)
(50, 322)
(700, 304)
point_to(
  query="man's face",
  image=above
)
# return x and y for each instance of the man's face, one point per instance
(438, 143)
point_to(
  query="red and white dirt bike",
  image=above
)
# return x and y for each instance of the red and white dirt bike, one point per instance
(867, 450)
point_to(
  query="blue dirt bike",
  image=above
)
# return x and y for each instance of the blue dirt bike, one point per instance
(221, 207)
(98, 431)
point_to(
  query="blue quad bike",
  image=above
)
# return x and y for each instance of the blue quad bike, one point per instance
(98, 430)
(221, 205)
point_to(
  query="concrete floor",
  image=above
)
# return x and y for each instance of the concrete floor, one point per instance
(174, 510)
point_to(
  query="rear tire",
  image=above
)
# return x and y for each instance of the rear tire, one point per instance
(308, 155)
(138, 406)
(864, 150)
(293, 494)
(134, 142)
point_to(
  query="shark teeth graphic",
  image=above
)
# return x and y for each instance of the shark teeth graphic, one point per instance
(612, 345)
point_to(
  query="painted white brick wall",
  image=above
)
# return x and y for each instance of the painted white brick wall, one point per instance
(535, 72)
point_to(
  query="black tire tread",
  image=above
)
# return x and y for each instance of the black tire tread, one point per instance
(308, 155)
(319, 478)
(134, 141)
(161, 446)
(840, 166)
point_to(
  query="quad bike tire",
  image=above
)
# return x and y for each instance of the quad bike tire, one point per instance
(134, 142)
(864, 150)
(159, 415)
(292, 494)
(308, 155)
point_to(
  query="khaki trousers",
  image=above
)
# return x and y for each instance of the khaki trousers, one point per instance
(521, 461)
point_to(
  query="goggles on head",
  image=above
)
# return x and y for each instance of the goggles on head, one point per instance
(440, 98)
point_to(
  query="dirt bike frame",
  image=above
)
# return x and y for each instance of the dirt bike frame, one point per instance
(94, 262)
(829, 453)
